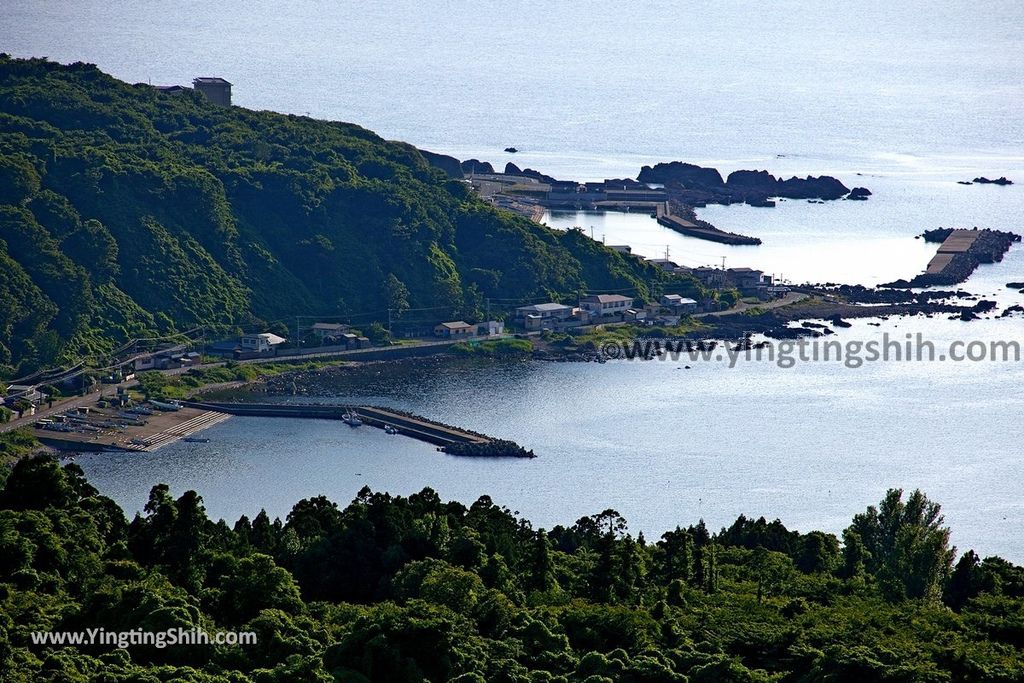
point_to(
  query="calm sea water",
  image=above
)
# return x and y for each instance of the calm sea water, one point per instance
(905, 100)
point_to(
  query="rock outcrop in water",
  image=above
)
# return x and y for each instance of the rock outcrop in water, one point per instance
(1002, 180)
(697, 185)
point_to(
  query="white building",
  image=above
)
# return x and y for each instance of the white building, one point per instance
(490, 328)
(260, 343)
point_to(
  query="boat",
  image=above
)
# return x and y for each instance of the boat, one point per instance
(390, 429)
(166, 407)
(351, 418)
(195, 439)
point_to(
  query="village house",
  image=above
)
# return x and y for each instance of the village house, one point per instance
(217, 90)
(23, 392)
(491, 328)
(679, 304)
(329, 332)
(747, 280)
(599, 305)
(664, 263)
(710, 277)
(260, 343)
(457, 328)
(546, 310)
(622, 248)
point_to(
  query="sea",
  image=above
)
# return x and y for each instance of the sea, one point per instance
(905, 99)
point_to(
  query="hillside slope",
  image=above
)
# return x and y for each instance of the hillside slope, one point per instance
(125, 211)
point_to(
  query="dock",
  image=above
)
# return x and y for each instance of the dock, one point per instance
(960, 253)
(151, 432)
(450, 439)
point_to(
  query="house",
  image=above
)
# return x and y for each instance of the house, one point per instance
(217, 90)
(605, 304)
(621, 248)
(545, 311)
(329, 331)
(678, 304)
(490, 328)
(634, 315)
(260, 343)
(664, 264)
(747, 280)
(457, 328)
(23, 392)
(170, 89)
(711, 277)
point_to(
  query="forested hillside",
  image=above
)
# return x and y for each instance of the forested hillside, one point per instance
(125, 211)
(406, 590)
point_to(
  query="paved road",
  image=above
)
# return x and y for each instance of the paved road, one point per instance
(791, 298)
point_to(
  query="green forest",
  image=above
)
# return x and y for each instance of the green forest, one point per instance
(410, 589)
(126, 212)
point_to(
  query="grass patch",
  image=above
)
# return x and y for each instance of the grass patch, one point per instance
(495, 347)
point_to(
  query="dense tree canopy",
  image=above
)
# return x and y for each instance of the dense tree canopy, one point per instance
(125, 211)
(397, 589)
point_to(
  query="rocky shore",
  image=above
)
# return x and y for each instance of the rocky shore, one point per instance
(698, 186)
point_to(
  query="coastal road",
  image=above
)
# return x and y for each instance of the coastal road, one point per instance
(791, 298)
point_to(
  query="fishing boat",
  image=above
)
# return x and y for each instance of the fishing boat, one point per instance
(351, 418)
(390, 429)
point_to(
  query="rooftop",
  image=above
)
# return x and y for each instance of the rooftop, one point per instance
(210, 80)
(272, 338)
(544, 307)
(605, 298)
(455, 325)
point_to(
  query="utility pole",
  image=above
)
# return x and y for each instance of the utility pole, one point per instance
(298, 338)
(389, 322)
(723, 263)
(488, 308)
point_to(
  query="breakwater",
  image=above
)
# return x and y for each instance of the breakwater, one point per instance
(667, 216)
(960, 253)
(450, 439)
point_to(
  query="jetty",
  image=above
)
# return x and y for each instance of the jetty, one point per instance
(703, 231)
(960, 253)
(450, 439)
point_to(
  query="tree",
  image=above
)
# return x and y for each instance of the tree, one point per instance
(965, 582)
(907, 544)
(397, 295)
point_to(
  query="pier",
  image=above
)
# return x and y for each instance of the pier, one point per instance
(960, 253)
(450, 439)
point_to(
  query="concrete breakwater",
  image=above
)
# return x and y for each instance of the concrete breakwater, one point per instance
(701, 230)
(450, 439)
(960, 253)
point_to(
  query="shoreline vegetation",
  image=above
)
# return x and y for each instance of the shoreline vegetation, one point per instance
(395, 589)
(128, 213)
